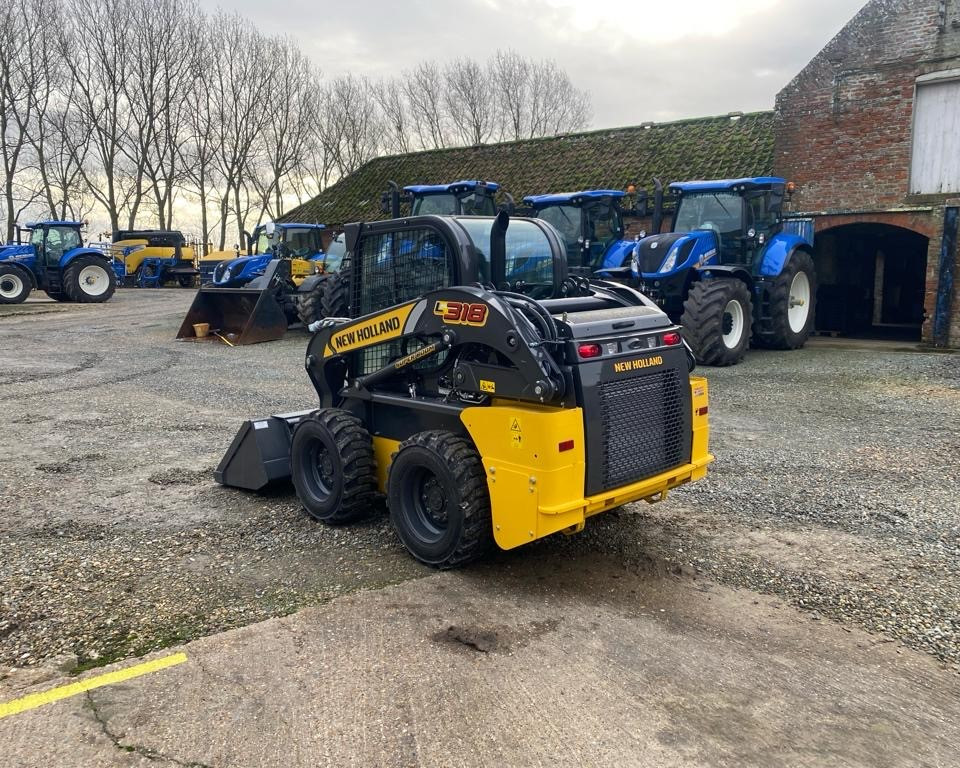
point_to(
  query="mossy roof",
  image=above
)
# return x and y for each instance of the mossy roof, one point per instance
(705, 148)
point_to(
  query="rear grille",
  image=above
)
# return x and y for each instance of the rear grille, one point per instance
(643, 427)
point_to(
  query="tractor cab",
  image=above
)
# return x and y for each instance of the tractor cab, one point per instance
(742, 214)
(52, 239)
(298, 241)
(590, 224)
(461, 198)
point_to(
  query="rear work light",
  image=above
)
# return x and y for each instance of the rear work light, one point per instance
(671, 339)
(589, 350)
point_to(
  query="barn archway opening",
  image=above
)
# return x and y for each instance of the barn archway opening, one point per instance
(871, 281)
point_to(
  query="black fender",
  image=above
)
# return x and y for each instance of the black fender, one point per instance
(27, 273)
(310, 284)
(727, 271)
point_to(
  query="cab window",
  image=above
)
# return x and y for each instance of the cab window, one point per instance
(440, 204)
(603, 227)
(301, 242)
(529, 256)
(477, 205)
(566, 220)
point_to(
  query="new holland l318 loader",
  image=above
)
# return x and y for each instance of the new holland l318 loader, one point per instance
(484, 415)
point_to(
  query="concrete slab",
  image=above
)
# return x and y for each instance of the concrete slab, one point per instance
(532, 663)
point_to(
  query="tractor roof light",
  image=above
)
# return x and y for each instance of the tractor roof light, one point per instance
(791, 187)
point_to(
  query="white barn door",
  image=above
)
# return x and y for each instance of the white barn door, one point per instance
(935, 168)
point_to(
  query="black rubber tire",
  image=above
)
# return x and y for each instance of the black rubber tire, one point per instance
(330, 297)
(704, 320)
(335, 294)
(440, 470)
(14, 279)
(187, 281)
(332, 465)
(782, 336)
(71, 280)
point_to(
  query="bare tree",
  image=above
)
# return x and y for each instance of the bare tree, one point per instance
(510, 73)
(390, 98)
(423, 87)
(25, 87)
(555, 104)
(469, 101)
(240, 98)
(96, 50)
(287, 125)
(349, 126)
(155, 84)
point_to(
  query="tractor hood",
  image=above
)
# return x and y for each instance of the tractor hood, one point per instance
(15, 252)
(660, 255)
(245, 266)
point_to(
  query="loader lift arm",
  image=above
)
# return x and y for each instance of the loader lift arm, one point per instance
(508, 328)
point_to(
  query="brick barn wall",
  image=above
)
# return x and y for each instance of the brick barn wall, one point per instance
(844, 124)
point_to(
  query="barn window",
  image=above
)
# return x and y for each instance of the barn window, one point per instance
(935, 167)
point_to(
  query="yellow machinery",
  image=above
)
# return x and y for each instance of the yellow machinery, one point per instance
(485, 415)
(153, 257)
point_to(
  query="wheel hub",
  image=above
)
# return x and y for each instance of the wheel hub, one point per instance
(732, 324)
(434, 504)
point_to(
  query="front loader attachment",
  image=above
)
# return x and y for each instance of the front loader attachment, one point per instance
(246, 315)
(260, 452)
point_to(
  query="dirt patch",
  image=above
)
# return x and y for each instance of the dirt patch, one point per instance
(72, 464)
(499, 639)
(179, 476)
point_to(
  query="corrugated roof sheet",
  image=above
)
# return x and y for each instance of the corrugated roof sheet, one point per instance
(729, 146)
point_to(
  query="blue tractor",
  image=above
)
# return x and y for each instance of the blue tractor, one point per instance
(461, 198)
(732, 268)
(54, 260)
(590, 224)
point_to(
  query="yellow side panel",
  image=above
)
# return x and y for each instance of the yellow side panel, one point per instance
(528, 476)
(700, 396)
(383, 450)
(135, 259)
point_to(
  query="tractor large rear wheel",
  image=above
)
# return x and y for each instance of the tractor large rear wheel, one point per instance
(332, 465)
(330, 297)
(15, 285)
(89, 280)
(716, 321)
(438, 499)
(792, 303)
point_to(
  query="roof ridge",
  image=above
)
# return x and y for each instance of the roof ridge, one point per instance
(577, 134)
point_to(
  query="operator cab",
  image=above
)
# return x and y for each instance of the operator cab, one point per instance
(743, 213)
(589, 222)
(462, 198)
(52, 239)
(299, 241)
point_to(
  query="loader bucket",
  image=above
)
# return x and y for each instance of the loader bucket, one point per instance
(236, 315)
(246, 315)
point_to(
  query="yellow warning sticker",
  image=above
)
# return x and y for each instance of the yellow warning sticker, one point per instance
(488, 386)
(515, 425)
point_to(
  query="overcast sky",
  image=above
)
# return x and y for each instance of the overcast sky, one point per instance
(642, 60)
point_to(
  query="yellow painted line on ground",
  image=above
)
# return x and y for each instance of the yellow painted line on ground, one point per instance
(35, 700)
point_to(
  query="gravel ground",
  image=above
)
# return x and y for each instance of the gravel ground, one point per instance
(835, 487)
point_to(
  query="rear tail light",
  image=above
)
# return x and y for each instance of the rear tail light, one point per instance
(566, 445)
(671, 339)
(589, 350)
